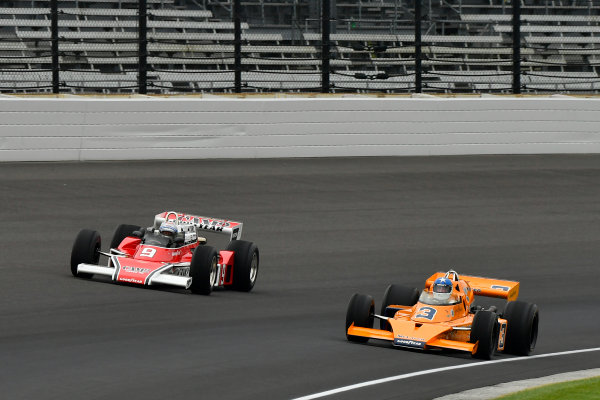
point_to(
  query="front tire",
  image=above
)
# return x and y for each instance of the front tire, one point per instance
(86, 249)
(203, 270)
(397, 295)
(245, 264)
(121, 233)
(521, 327)
(361, 310)
(485, 331)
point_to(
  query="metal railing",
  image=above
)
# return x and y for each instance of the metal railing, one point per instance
(474, 46)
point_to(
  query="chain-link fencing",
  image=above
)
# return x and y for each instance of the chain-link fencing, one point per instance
(333, 46)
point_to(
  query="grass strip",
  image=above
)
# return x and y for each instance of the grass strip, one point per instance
(584, 389)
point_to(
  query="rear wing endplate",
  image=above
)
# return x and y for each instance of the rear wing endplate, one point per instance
(487, 287)
(211, 224)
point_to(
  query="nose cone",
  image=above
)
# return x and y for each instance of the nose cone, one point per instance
(426, 313)
(415, 334)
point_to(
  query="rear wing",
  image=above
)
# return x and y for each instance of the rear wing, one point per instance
(211, 224)
(487, 287)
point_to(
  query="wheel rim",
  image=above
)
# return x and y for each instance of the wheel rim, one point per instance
(97, 253)
(213, 272)
(253, 267)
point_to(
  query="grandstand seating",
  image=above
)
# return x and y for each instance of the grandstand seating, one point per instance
(466, 46)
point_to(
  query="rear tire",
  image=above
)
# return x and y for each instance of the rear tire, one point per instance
(203, 270)
(397, 295)
(245, 264)
(485, 330)
(361, 310)
(521, 327)
(121, 233)
(85, 250)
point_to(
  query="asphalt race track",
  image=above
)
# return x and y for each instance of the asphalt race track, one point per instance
(326, 228)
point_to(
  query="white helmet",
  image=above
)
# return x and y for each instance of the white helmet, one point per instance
(168, 229)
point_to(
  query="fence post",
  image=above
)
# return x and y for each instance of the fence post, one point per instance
(237, 47)
(325, 45)
(418, 50)
(142, 47)
(516, 24)
(54, 45)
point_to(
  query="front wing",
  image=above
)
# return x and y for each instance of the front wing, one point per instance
(413, 342)
(137, 275)
(121, 268)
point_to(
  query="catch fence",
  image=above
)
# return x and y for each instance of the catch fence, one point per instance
(328, 46)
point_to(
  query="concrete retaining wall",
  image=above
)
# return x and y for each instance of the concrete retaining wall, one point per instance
(83, 128)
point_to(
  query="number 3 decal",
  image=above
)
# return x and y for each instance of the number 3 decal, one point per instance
(426, 312)
(148, 252)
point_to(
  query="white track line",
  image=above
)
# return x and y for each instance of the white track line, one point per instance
(435, 370)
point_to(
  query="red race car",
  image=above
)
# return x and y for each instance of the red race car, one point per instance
(170, 252)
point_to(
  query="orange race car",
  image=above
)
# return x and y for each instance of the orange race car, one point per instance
(443, 316)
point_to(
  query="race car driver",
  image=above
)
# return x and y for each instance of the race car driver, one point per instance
(168, 229)
(442, 289)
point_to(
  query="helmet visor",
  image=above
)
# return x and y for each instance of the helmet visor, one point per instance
(442, 288)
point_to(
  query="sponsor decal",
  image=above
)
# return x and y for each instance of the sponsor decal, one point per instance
(209, 227)
(415, 344)
(132, 280)
(503, 288)
(502, 336)
(191, 237)
(176, 253)
(408, 337)
(181, 271)
(205, 223)
(234, 235)
(135, 270)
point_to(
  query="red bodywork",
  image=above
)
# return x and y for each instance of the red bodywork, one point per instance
(141, 261)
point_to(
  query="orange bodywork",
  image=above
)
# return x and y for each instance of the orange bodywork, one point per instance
(424, 326)
(487, 287)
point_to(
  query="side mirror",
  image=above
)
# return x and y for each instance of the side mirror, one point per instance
(137, 234)
(179, 241)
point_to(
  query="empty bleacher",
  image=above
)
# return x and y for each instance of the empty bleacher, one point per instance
(466, 46)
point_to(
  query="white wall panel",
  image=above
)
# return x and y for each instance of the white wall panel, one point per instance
(88, 128)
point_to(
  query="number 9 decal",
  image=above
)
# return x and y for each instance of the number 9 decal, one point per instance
(426, 312)
(148, 252)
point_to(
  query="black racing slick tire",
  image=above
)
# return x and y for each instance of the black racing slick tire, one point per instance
(85, 250)
(485, 331)
(203, 270)
(522, 321)
(245, 264)
(121, 233)
(397, 295)
(361, 310)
